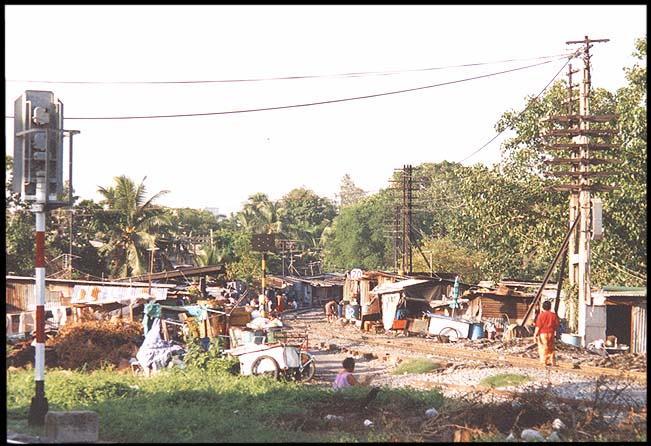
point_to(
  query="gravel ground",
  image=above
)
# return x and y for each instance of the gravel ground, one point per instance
(460, 376)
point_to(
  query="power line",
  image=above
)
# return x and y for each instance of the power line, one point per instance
(353, 74)
(525, 109)
(331, 101)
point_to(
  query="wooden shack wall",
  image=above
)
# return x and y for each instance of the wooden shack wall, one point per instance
(23, 295)
(514, 307)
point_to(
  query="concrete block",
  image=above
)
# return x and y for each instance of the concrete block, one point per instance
(72, 427)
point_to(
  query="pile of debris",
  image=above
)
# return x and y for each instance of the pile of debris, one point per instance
(90, 345)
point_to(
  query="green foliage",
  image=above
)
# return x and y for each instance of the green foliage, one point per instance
(503, 380)
(213, 359)
(415, 366)
(620, 258)
(136, 221)
(448, 256)
(358, 237)
(196, 405)
(349, 193)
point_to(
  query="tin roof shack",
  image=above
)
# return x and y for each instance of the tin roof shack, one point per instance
(620, 312)
(413, 298)
(63, 295)
(309, 291)
(508, 301)
(357, 291)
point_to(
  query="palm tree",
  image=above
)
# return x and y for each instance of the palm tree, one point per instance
(261, 215)
(136, 221)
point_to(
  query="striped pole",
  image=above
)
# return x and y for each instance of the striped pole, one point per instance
(39, 406)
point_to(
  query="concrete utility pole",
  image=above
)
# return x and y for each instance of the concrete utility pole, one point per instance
(582, 204)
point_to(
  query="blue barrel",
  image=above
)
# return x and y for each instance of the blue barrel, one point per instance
(340, 310)
(477, 331)
(352, 311)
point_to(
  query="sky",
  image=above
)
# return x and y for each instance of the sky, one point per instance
(297, 96)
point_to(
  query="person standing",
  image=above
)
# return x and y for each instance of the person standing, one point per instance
(280, 304)
(330, 311)
(544, 334)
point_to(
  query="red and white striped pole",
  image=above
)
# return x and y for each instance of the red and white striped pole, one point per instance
(39, 406)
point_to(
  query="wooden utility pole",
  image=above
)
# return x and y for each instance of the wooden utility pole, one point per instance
(580, 161)
(403, 222)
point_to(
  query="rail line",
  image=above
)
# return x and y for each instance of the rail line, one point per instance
(481, 355)
(446, 351)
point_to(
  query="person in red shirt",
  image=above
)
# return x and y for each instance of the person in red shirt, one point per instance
(545, 334)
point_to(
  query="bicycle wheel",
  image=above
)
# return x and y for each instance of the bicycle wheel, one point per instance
(265, 365)
(308, 367)
(452, 334)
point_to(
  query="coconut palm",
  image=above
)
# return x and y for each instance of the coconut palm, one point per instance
(261, 215)
(135, 224)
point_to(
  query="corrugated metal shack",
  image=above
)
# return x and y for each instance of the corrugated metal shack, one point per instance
(508, 301)
(311, 291)
(405, 303)
(60, 295)
(620, 312)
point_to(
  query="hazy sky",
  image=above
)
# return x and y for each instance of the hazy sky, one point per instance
(117, 61)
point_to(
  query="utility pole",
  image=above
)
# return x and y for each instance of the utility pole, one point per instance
(582, 205)
(151, 265)
(403, 222)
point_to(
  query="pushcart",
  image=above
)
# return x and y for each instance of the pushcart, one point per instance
(285, 356)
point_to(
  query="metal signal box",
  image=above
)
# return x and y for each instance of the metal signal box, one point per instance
(38, 145)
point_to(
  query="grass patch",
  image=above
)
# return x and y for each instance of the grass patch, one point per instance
(415, 366)
(208, 405)
(503, 380)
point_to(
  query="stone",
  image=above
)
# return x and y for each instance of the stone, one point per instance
(531, 435)
(72, 427)
(558, 424)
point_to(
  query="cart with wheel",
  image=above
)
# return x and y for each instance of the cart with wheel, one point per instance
(285, 357)
(452, 328)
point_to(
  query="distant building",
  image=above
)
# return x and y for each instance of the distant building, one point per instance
(213, 211)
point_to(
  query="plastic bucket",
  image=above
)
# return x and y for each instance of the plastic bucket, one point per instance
(571, 339)
(477, 331)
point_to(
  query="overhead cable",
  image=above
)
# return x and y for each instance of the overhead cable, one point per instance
(523, 111)
(354, 74)
(331, 101)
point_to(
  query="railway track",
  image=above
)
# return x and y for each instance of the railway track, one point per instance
(493, 357)
(447, 351)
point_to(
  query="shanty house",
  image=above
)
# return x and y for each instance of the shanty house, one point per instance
(620, 312)
(309, 291)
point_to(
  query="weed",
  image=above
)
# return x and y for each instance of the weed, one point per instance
(504, 380)
(415, 366)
